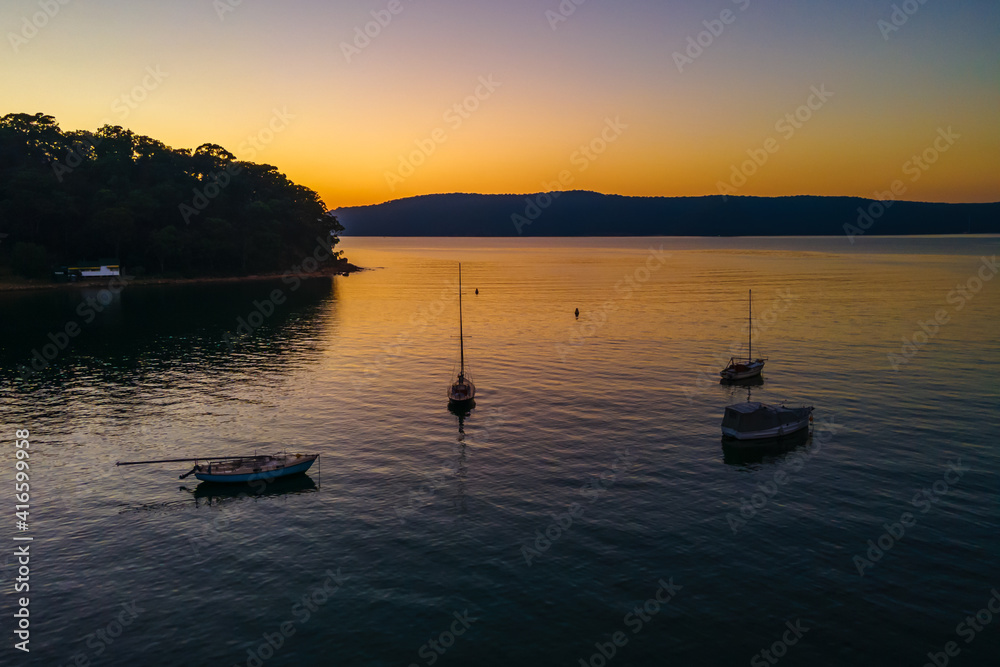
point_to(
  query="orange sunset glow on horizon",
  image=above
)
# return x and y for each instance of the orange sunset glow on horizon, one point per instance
(390, 99)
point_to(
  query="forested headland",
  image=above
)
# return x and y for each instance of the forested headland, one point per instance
(68, 196)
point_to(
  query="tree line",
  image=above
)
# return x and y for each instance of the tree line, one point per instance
(67, 196)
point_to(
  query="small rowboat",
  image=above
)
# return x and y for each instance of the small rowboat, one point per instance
(254, 468)
(242, 469)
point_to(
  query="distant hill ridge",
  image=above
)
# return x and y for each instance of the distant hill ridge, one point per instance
(583, 213)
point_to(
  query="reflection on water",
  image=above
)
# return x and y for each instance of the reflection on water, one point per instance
(755, 381)
(461, 410)
(771, 450)
(148, 329)
(427, 512)
(460, 464)
(214, 493)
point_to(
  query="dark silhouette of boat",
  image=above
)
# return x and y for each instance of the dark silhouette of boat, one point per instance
(752, 421)
(741, 368)
(462, 392)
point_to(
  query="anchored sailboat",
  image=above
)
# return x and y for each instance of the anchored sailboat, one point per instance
(462, 391)
(740, 368)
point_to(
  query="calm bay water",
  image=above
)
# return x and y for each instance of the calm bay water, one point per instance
(424, 514)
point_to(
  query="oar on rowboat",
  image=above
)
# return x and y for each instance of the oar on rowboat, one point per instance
(239, 469)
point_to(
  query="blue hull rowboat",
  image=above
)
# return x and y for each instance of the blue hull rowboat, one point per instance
(240, 469)
(250, 469)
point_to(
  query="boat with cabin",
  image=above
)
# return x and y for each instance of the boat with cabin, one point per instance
(757, 421)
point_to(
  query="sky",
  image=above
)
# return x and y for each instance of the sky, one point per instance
(374, 100)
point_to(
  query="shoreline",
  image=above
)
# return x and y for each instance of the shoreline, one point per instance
(344, 269)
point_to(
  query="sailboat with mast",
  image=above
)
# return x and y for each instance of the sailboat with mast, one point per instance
(742, 368)
(462, 391)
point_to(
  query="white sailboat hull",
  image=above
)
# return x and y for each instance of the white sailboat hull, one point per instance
(737, 370)
(742, 371)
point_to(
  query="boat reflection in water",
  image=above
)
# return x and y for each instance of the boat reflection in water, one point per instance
(460, 471)
(212, 493)
(460, 468)
(772, 450)
(461, 410)
(755, 381)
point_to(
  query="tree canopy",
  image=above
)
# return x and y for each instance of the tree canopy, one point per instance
(73, 195)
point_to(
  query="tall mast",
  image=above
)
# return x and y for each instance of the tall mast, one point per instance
(461, 341)
(750, 327)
